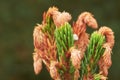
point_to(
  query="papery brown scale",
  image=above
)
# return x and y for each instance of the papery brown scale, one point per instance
(41, 53)
(38, 36)
(60, 18)
(82, 43)
(51, 11)
(105, 70)
(53, 53)
(105, 61)
(107, 57)
(103, 66)
(86, 18)
(76, 74)
(37, 63)
(37, 66)
(79, 28)
(53, 71)
(44, 18)
(89, 20)
(44, 56)
(108, 34)
(51, 49)
(45, 46)
(35, 56)
(76, 58)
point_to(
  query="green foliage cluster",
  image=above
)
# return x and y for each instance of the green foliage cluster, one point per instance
(64, 42)
(17, 18)
(93, 54)
(64, 38)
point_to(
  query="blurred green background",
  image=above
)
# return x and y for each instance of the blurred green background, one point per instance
(17, 21)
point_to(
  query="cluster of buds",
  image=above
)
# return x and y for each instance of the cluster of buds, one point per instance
(68, 52)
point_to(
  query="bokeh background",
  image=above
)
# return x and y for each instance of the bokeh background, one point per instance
(17, 21)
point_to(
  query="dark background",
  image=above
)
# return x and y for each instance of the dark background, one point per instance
(17, 21)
